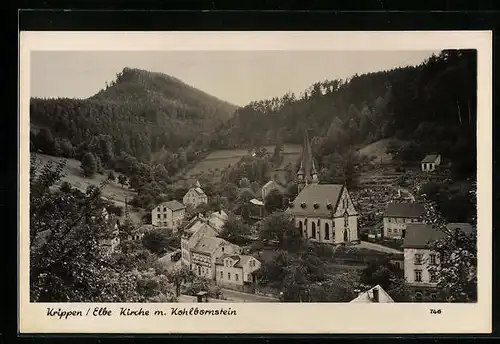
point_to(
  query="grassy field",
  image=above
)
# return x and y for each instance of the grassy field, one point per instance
(218, 160)
(112, 191)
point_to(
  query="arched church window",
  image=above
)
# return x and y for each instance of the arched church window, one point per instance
(327, 231)
(314, 230)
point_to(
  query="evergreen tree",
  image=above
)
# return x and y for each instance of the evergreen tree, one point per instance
(89, 165)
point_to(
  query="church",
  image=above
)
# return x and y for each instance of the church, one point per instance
(323, 213)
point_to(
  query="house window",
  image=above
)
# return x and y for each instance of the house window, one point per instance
(314, 230)
(158, 216)
(418, 296)
(229, 276)
(236, 277)
(432, 277)
(389, 230)
(418, 259)
(300, 226)
(433, 296)
(252, 263)
(164, 216)
(346, 220)
(418, 275)
(249, 277)
(164, 209)
(327, 231)
(432, 259)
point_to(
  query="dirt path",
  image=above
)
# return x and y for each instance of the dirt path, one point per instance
(377, 247)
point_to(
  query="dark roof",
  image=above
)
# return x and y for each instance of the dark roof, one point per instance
(209, 245)
(173, 205)
(323, 194)
(419, 235)
(430, 158)
(404, 210)
(240, 259)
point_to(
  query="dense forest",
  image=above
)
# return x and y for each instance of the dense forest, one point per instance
(138, 114)
(426, 108)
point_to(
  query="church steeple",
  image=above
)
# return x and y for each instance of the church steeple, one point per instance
(307, 173)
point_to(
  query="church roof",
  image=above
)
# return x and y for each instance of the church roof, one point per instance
(307, 163)
(316, 200)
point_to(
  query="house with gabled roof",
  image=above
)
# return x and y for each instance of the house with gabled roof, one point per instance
(195, 196)
(375, 294)
(398, 215)
(419, 257)
(206, 252)
(168, 214)
(430, 162)
(235, 271)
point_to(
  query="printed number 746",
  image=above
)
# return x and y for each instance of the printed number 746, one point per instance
(435, 311)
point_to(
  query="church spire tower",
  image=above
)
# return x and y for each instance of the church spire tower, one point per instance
(307, 173)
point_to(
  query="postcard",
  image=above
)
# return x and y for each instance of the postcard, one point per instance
(255, 182)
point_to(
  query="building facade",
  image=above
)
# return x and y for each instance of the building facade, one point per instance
(420, 258)
(195, 196)
(168, 214)
(325, 213)
(398, 215)
(430, 162)
(236, 271)
(206, 252)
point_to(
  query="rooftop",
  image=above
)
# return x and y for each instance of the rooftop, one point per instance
(412, 210)
(208, 244)
(420, 235)
(173, 205)
(322, 195)
(430, 158)
(367, 296)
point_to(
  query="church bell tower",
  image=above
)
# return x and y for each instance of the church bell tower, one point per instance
(307, 173)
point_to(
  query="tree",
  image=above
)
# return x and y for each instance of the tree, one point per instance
(180, 276)
(337, 288)
(45, 141)
(273, 201)
(235, 231)
(122, 180)
(89, 165)
(111, 176)
(67, 263)
(382, 273)
(156, 241)
(281, 228)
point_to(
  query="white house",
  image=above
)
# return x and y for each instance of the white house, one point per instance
(375, 294)
(430, 162)
(235, 271)
(198, 227)
(195, 196)
(419, 257)
(325, 213)
(398, 215)
(168, 214)
(206, 252)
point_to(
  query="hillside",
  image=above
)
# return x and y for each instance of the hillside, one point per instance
(425, 108)
(138, 113)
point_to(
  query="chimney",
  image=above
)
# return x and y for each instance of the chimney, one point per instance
(375, 295)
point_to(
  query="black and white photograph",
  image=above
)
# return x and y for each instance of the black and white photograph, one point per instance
(253, 176)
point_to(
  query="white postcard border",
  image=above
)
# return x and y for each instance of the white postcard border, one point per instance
(272, 317)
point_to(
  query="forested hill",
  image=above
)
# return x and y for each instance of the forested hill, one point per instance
(139, 113)
(430, 108)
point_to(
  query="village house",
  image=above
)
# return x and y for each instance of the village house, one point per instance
(198, 227)
(206, 252)
(373, 295)
(419, 257)
(168, 214)
(257, 209)
(195, 196)
(398, 215)
(430, 162)
(323, 213)
(138, 233)
(236, 271)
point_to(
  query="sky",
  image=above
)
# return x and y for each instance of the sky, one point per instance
(235, 76)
